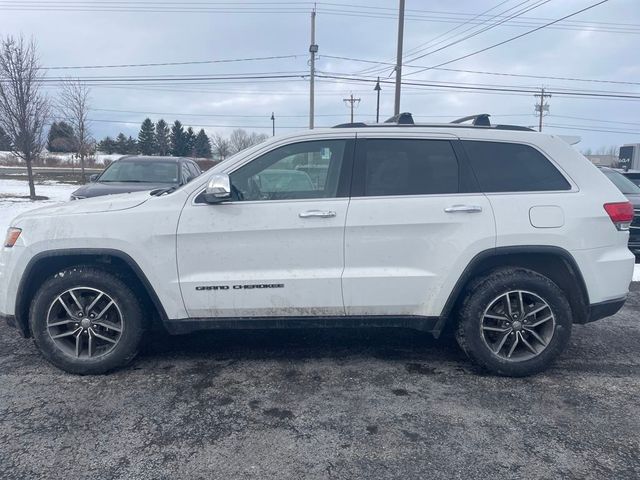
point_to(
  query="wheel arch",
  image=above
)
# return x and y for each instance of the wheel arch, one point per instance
(553, 262)
(45, 264)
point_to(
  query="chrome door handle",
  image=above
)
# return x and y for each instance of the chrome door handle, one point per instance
(463, 209)
(317, 213)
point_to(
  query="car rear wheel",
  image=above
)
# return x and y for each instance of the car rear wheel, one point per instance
(514, 322)
(86, 321)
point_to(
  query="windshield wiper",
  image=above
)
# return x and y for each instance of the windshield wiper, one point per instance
(161, 191)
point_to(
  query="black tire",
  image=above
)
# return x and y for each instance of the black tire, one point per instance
(128, 307)
(483, 293)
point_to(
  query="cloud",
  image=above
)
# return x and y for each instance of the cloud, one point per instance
(90, 38)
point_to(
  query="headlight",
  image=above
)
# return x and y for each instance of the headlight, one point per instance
(12, 236)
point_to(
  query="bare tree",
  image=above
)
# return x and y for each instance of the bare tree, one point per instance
(74, 105)
(23, 108)
(221, 146)
(240, 139)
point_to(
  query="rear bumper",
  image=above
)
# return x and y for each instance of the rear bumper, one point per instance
(601, 310)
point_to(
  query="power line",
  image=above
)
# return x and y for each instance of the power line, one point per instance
(528, 88)
(572, 127)
(430, 42)
(495, 89)
(127, 122)
(489, 27)
(275, 7)
(223, 115)
(174, 79)
(412, 50)
(480, 72)
(361, 10)
(163, 64)
(598, 120)
(516, 37)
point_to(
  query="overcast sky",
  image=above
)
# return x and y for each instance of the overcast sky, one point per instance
(599, 44)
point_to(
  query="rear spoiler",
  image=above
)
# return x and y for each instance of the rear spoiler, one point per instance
(570, 139)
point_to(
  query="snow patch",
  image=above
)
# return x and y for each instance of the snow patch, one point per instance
(636, 273)
(11, 207)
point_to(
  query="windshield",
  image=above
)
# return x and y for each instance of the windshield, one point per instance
(625, 185)
(143, 171)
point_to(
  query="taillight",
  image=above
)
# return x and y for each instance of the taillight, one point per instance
(621, 214)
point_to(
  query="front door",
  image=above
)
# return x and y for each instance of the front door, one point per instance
(277, 248)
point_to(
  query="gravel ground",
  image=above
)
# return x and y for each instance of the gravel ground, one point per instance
(325, 404)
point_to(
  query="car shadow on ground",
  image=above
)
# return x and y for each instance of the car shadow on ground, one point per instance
(300, 344)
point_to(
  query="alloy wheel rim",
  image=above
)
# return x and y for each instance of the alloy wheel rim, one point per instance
(518, 325)
(85, 323)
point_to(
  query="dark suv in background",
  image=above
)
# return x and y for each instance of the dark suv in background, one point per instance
(632, 191)
(139, 173)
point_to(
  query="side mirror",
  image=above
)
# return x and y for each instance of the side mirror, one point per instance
(93, 177)
(218, 189)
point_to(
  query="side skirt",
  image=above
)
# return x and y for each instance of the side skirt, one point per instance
(425, 324)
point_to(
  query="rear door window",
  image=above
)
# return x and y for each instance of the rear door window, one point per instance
(407, 167)
(512, 167)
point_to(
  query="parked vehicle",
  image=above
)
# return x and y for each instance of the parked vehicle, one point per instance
(139, 173)
(633, 175)
(632, 191)
(506, 235)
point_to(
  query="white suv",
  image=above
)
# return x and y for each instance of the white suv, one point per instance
(507, 236)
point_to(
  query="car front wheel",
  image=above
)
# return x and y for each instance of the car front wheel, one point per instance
(86, 321)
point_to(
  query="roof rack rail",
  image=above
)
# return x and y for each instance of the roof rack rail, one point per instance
(351, 125)
(404, 118)
(479, 120)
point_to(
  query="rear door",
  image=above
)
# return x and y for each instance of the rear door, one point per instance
(415, 221)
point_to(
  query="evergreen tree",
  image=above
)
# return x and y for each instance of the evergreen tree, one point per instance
(147, 138)
(121, 144)
(5, 141)
(202, 145)
(163, 142)
(61, 138)
(107, 145)
(131, 146)
(191, 141)
(179, 143)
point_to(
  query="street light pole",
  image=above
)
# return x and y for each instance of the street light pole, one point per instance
(273, 124)
(377, 88)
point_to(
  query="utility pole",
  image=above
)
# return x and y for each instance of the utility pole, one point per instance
(350, 103)
(396, 107)
(273, 124)
(377, 88)
(313, 49)
(541, 107)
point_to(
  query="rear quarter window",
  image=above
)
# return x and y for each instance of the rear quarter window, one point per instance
(512, 167)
